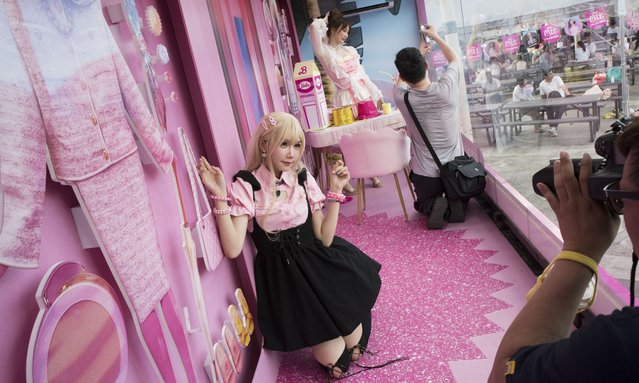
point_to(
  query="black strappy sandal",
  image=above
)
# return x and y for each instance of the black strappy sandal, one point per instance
(360, 348)
(339, 369)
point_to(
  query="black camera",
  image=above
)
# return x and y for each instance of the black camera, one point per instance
(605, 170)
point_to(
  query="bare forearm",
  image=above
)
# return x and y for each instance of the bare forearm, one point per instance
(448, 52)
(548, 315)
(230, 237)
(329, 225)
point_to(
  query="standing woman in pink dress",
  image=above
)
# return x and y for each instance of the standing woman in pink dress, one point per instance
(342, 64)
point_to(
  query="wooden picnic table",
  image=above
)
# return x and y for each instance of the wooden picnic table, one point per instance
(571, 102)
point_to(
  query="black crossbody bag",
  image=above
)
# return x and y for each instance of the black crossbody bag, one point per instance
(463, 177)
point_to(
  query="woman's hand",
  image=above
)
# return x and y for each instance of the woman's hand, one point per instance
(339, 177)
(397, 80)
(212, 178)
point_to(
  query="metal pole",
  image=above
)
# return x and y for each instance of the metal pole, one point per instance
(621, 11)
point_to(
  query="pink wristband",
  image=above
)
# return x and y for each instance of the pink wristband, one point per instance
(219, 198)
(335, 197)
(222, 211)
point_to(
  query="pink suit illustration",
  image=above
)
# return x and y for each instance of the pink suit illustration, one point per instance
(67, 91)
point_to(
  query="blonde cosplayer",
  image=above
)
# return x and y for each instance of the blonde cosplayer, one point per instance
(271, 131)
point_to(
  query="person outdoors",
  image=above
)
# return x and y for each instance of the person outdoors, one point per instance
(493, 67)
(342, 64)
(523, 91)
(547, 58)
(582, 54)
(592, 47)
(435, 105)
(491, 87)
(519, 64)
(635, 45)
(616, 50)
(314, 289)
(539, 345)
(553, 87)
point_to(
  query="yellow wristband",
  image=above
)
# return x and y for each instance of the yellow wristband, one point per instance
(575, 257)
(579, 258)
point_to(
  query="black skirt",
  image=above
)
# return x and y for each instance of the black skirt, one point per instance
(308, 293)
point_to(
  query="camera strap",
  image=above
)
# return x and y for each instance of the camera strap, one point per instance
(421, 131)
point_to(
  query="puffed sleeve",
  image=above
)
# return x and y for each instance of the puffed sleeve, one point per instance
(242, 202)
(315, 196)
(317, 32)
(327, 57)
(143, 123)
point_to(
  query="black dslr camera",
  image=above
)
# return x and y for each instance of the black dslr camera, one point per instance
(605, 170)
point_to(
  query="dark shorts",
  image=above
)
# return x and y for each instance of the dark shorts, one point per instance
(606, 349)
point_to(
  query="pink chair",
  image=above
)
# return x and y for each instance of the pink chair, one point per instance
(370, 153)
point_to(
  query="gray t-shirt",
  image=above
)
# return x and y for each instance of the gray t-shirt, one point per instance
(436, 109)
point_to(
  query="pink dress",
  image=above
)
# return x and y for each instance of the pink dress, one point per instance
(342, 65)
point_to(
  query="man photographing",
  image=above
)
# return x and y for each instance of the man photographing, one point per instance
(435, 105)
(539, 345)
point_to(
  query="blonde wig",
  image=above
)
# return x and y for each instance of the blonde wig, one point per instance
(268, 137)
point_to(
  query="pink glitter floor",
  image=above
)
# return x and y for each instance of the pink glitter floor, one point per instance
(443, 302)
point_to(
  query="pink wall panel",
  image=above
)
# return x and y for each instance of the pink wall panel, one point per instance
(204, 110)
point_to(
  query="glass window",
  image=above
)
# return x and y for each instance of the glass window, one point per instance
(533, 72)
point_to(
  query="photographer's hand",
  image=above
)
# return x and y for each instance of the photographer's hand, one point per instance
(588, 228)
(586, 225)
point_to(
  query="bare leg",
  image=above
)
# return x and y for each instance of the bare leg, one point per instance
(349, 189)
(377, 183)
(327, 353)
(352, 340)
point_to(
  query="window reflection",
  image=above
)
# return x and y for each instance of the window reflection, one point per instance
(591, 48)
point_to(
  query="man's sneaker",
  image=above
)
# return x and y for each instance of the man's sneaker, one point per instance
(436, 216)
(552, 131)
(456, 212)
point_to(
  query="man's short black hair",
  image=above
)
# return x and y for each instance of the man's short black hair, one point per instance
(411, 65)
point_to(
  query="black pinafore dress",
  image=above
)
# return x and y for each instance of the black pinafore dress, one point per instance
(308, 293)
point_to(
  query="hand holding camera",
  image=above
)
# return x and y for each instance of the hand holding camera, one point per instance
(586, 225)
(604, 171)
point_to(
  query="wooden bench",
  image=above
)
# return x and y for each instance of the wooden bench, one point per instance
(593, 122)
(489, 127)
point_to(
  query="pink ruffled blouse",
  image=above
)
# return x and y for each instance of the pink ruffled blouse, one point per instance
(276, 213)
